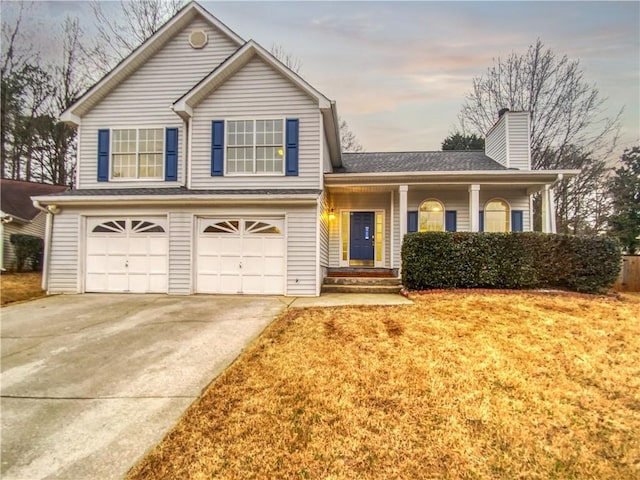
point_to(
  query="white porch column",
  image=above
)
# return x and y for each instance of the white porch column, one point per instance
(552, 211)
(474, 207)
(403, 211)
(546, 209)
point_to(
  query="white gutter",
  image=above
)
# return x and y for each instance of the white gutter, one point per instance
(558, 179)
(51, 210)
(293, 199)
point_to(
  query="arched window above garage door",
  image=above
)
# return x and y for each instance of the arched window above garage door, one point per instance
(111, 226)
(142, 226)
(223, 226)
(261, 228)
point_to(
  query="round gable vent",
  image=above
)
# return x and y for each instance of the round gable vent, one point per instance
(198, 38)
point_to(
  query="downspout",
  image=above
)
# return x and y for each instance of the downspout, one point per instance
(51, 210)
(5, 219)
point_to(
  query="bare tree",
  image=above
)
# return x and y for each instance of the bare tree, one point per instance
(118, 35)
(567, 114)
(293, 63)
(348, 140)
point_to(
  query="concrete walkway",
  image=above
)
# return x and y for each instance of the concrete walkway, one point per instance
(342, 299)
(90, 382)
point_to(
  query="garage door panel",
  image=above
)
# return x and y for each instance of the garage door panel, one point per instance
(247, 257)
(230, 265)
(158, 265)
(117, 283)
(125, 256)
(97, 246)
(274, 247)
(117, 245)
(157, 245)
(97, 264)
(158, 283)
(208, 264)
(274, 266)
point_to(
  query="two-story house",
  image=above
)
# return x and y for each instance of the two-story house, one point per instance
(205, 165)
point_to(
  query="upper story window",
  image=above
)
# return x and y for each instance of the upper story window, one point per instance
(431, 216)
(137, 153)
(255, 147)
(496, 216)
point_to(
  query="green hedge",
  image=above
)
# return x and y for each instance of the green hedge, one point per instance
(27, 248)
(509, 260)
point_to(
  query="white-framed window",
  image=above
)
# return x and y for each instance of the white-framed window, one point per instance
(431, 216)
(255, 147)
(497, 216)
(137, 153)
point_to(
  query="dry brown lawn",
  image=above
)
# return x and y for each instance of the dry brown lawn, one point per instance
(17, 287)
(455, 386)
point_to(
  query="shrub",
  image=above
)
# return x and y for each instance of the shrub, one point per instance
(27, 248)
(509, 260)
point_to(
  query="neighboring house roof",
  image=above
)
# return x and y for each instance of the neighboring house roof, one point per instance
(139, 56)
(15, 197)
(446, 161)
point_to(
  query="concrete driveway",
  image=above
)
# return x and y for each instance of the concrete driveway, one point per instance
(90, 382)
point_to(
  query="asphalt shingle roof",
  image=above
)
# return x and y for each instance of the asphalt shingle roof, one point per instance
(178, 191)
(449, 161)
(15, 197)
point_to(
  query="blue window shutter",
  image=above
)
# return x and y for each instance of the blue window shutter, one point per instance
(217, 148)
(516, 221)
(450, 220)
(412, 222)
(171, 155)
(481, 220)
(103, 155)
(292, 147)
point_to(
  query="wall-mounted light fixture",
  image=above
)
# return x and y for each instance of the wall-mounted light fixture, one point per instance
(332, 215)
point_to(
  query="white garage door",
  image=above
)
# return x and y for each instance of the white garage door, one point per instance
(126, 255)
(240, 255)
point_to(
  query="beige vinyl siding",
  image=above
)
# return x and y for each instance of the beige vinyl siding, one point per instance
(496, 142)
(360, 202)
(257, 91)
(301, 252)
(326, 155)
(396, 261)
(323, 221)
(516, 200)
(519, 152)
(452, 200)
(144, 99)
(65, 248)
(180, 248)
(36, 228)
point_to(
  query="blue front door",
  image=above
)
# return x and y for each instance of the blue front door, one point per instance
(362, 239)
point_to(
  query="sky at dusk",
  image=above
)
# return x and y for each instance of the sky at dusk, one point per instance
(399, 71)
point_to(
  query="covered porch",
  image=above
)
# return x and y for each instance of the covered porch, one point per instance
(369, 214)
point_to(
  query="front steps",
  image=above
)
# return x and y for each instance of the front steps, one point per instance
(361, 281)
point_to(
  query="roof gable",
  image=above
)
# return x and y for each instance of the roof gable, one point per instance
(185, 104)
(141, 55)
(15, 197)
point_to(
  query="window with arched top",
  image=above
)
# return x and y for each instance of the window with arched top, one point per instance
(497, 214)
(431, 216)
